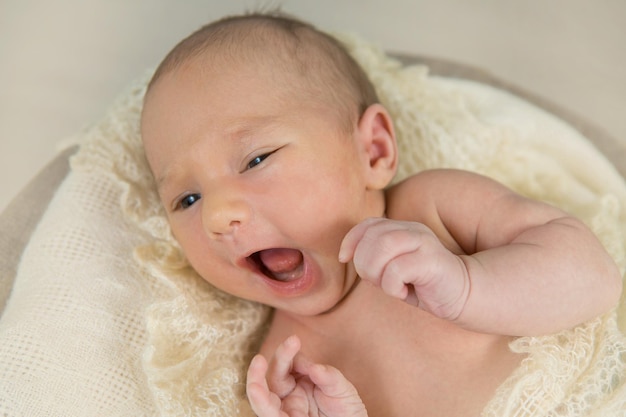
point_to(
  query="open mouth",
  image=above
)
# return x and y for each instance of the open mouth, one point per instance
(279, 264)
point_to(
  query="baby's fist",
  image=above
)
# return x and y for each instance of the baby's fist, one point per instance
(408, 261)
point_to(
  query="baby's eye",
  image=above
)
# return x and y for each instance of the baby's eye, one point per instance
(257, 160)
(189, 200)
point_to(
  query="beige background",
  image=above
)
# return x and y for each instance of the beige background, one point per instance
(63, 62)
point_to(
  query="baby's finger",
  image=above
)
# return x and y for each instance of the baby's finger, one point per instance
(353, 237)
(412, 298)
(331, 381)
(400, 275)
(381, 244)
(263, 403)
(333, 386)
(280, 378)
(394, 286)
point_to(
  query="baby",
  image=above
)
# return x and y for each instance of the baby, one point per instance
(273, 157)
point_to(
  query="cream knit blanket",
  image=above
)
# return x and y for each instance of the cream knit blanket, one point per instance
(106, 318)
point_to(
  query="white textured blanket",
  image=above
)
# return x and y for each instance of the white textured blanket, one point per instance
(106, 318)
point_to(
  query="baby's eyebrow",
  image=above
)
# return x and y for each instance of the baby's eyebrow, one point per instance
(165, 178)
(243, 129)
(162, 181)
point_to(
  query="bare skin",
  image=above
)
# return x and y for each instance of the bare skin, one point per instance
(432, 367)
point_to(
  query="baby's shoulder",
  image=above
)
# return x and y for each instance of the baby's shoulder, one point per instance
(429, 190)
(415, 196)
(437, 179)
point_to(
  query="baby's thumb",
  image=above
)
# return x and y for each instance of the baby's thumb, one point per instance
(348, 246)
(352, 238)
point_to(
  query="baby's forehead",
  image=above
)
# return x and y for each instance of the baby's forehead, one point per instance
(303, 62)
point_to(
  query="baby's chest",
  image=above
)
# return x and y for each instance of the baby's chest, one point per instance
(396, 379)
(401, 370)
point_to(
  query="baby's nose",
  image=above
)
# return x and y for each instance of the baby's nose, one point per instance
(225, 215)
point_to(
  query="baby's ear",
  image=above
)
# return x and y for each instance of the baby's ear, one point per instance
(377, 137)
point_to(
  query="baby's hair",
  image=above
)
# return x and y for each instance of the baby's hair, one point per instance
(327, 69)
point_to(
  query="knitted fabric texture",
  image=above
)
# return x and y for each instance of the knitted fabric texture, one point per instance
(107, 318)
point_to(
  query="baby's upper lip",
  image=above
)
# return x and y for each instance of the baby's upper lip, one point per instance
(247, 259)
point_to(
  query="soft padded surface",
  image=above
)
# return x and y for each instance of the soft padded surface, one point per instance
(19, 219)
(106, 318)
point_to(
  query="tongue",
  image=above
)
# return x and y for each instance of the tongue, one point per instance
(282, 264)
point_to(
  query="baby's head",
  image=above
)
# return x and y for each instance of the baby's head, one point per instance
(313, 65)
(267, 145)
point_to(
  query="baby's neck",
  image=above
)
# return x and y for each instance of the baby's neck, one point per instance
(367, 312)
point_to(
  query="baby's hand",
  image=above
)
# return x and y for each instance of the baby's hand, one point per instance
(292, 386)
(408, 261)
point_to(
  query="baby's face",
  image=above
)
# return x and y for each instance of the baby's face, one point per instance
(259, 187)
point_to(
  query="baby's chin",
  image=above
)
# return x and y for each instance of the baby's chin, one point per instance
(346, 296)
(338, 293)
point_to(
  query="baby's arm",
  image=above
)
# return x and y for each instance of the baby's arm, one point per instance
(501, 263)
(291, 385)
